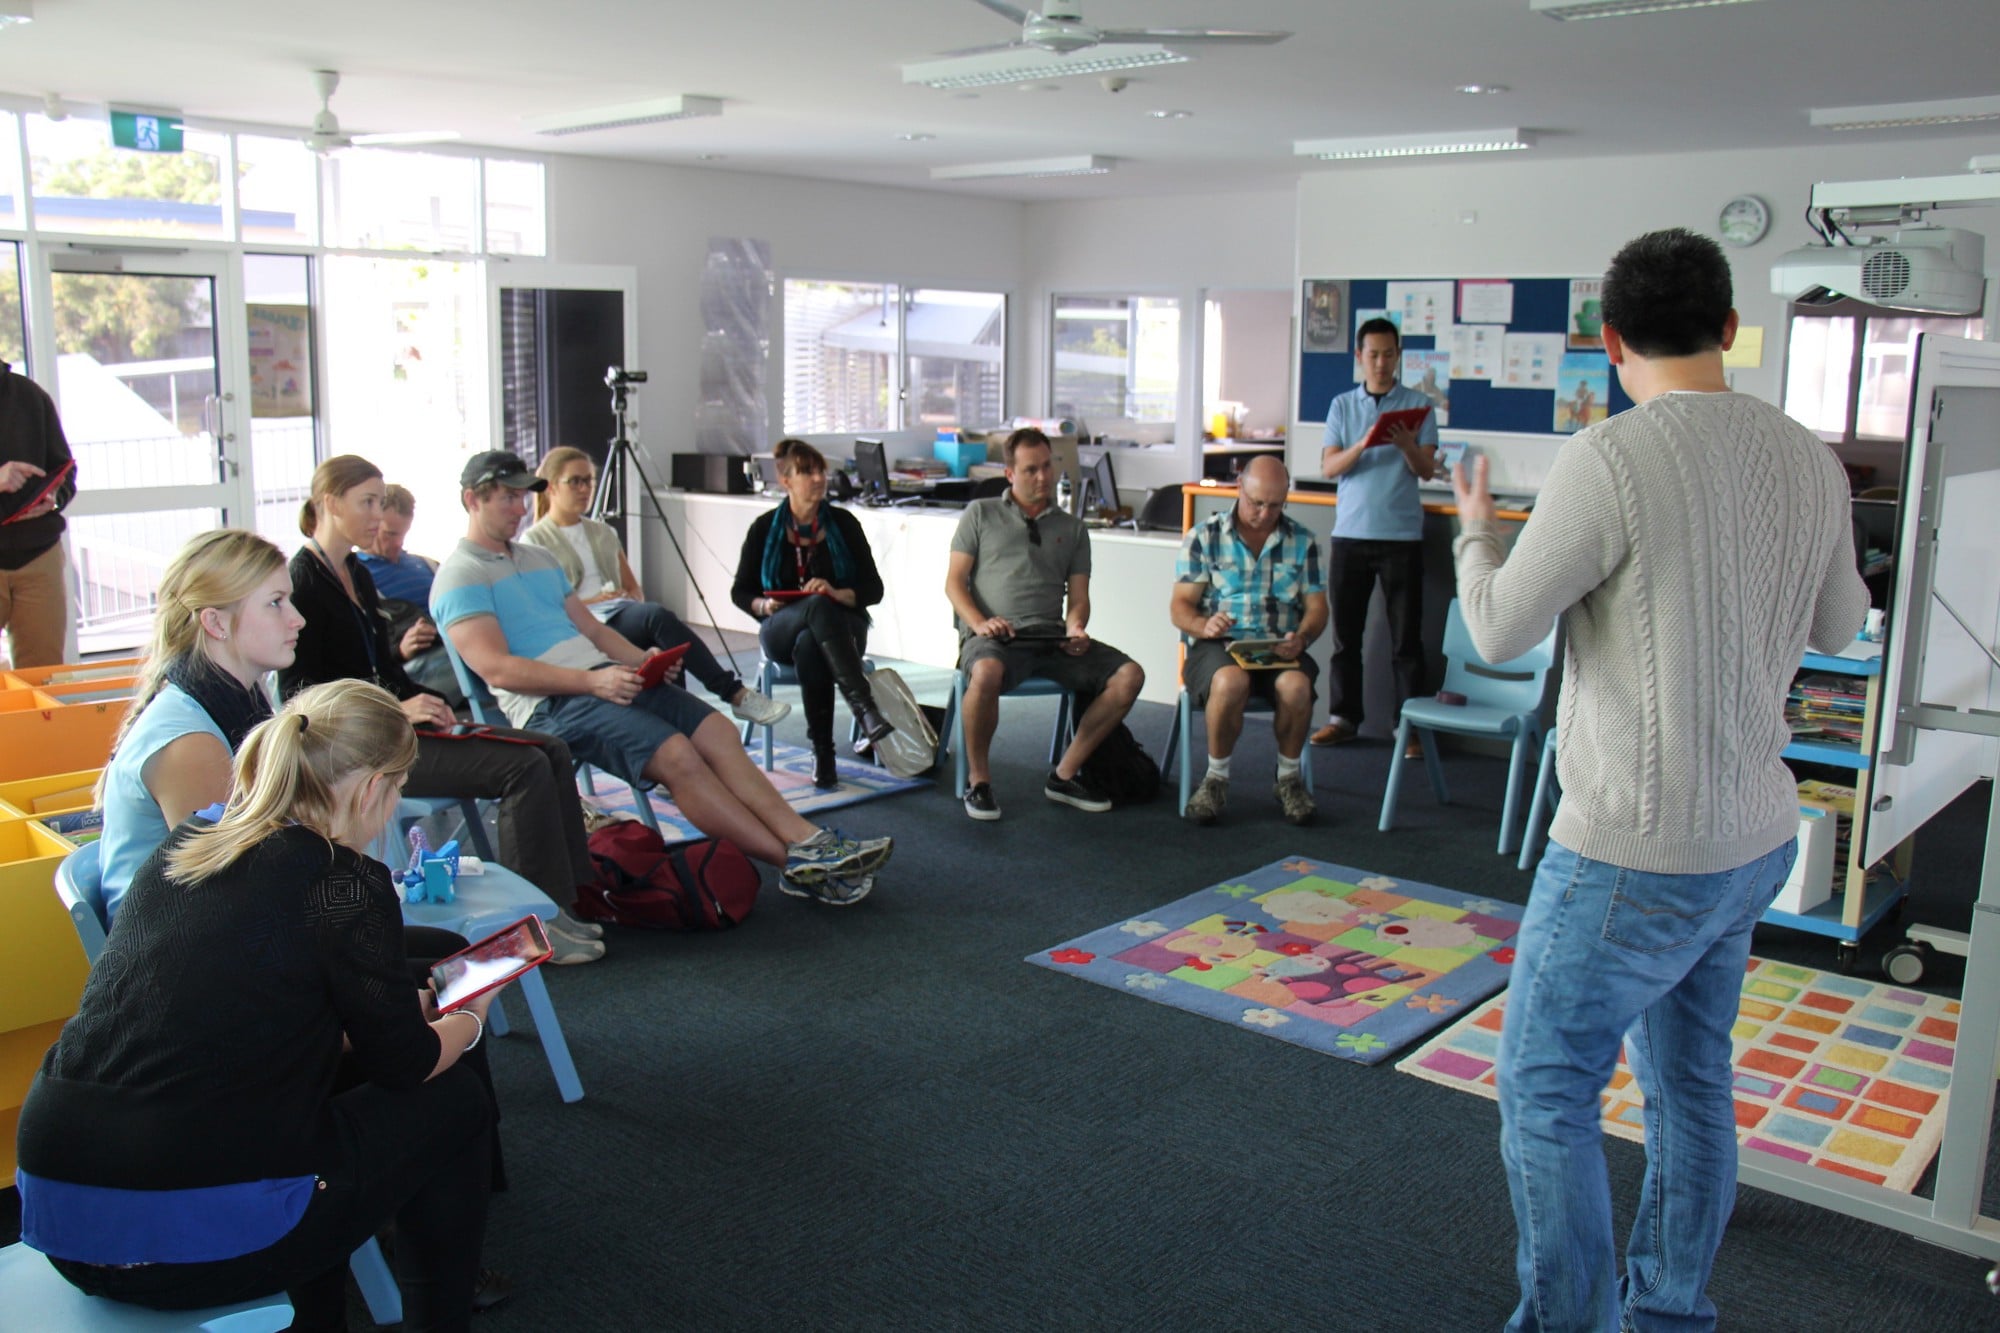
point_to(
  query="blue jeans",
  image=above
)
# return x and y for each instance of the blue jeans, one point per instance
(1608, 955)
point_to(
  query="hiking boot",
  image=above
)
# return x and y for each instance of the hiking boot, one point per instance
(567, 926)
(761, 709)
(1295, 800)
(569, 952)
(1337, 731)
(1208, 802)
(979, 802)
(826, 766)
(874, 853)
(819, 856)
(1075, 791)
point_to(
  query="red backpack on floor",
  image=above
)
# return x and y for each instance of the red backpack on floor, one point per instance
(704, 885)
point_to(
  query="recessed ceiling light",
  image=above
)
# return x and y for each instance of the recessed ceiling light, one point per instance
(1170, 115)
(1415, 145)
(1092, 165)
(1945, 111)
(1482, 89)
(916, 138)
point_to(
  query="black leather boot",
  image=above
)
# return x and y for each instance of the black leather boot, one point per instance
(826, 773)
(861, 701)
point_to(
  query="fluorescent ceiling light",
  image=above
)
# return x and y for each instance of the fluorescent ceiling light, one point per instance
(1611, 9)
(16, 11)
(1887, 115)
(1415, 145)
(625, 113)
(1081, 165)
(1027, 64)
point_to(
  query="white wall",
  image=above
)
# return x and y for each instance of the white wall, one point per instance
(660, 219)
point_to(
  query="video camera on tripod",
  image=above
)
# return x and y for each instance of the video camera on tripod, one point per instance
(616, 377)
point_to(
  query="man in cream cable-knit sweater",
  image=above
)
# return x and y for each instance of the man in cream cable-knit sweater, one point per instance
(1692, 547)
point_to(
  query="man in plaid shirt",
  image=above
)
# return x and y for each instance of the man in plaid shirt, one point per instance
(1251, 573)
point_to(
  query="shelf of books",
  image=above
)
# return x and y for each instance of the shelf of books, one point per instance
(1832, 713)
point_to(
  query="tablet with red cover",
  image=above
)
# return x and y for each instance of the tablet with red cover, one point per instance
(48, 488)
(492, 962)
(789, 594)
(654, 669)
(1413, 417)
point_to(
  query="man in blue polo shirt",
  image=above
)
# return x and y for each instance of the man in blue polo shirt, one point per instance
(1247, 574)
(1378, 528)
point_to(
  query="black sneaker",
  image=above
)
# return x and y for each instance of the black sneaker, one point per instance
(979, 802)
(1075, 791)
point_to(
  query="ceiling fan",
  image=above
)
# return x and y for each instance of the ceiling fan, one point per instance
(326, 136)
(1060, 28)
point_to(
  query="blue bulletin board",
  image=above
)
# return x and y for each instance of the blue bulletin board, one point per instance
(1541, 305)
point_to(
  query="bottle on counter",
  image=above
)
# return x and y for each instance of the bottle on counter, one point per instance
(1064, 494)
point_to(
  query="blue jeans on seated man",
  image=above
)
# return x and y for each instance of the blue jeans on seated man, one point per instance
(1656, 961)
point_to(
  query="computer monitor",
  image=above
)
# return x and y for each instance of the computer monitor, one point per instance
(1100, 485)
(871, 469)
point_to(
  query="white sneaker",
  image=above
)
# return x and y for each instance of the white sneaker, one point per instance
(569, 952)
(759, 709)
(562, 923)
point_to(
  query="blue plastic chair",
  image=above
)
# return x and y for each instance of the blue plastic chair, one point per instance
(1503, 701)
(954, 724)
(773, 674)
(80, 888)
(1183, 727)
(35, 1296)
(485, 708)
(1542, 807)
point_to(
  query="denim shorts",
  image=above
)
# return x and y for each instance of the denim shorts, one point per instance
(1086, 675)
(621, 739)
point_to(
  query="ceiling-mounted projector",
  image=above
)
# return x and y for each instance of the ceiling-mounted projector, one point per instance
(1940, 270)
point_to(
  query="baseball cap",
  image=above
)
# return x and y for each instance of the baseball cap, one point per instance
(503, 467)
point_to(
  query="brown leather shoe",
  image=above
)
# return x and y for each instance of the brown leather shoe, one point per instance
(1334, 732)
(1414, 750)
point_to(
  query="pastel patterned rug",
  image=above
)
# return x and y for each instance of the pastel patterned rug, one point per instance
(1831, 1071)
(1320, 955)
(791, 774)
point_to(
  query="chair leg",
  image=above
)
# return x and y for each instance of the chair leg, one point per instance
(1184, 723)
(1393, 787)
(959, 772)
(1059, 740)
(1433, 765)
(377, 1283)
(643, 801)
(1538, 807)
(496, 1017)
(1517, 764)
(536, 992)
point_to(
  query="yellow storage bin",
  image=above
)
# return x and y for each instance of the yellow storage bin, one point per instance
(41, 964)
(71, 673)
(48, 736)
(56, 794)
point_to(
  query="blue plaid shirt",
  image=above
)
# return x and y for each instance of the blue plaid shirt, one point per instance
(1266, 592)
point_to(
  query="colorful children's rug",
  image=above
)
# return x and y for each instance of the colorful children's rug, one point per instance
(791, 774)
(1831, 1071)
(1320, 955)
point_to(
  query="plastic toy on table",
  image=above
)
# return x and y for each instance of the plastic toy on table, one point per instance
(431, 876)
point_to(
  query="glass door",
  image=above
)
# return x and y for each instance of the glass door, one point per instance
(147, 352)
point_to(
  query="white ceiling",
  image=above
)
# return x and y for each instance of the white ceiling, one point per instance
(813, 87)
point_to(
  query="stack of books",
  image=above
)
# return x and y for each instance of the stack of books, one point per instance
(1826, 708)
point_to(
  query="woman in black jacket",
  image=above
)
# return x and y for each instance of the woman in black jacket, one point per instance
(184, 1143)
(346, 637)
(815, 558)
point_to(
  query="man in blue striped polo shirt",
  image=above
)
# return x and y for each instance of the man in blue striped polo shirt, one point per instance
(1247, 574)
(1378, 527)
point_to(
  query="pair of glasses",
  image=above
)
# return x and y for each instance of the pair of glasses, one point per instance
(1034, 532)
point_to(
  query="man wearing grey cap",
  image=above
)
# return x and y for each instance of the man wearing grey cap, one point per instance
(509, 612)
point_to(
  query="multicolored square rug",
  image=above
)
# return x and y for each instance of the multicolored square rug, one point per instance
(791, 774)
(1831, 1071)
(1320, 955)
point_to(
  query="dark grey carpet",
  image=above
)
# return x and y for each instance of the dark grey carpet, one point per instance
(880, 1118)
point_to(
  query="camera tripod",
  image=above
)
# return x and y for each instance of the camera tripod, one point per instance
(609, 505)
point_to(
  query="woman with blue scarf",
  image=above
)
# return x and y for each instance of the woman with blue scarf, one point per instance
(807, 573)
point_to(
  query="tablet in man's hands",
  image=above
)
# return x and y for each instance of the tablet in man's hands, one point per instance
(654, 669)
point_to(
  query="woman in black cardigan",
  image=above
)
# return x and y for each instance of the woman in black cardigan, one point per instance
(185, 1142)
(345, 637)
(808, 546)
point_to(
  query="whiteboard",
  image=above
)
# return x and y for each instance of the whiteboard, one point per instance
(1948, 542)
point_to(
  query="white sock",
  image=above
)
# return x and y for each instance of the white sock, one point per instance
(1218, 768)
(1287, 768)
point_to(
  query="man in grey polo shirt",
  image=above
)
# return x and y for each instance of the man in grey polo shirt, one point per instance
(1015, 559)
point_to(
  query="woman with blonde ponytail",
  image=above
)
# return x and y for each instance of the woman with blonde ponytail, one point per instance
(224, 618)
(184, 1143)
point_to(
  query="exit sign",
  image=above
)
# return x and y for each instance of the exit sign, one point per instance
(145, 132)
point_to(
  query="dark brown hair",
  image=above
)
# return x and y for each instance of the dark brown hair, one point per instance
(1026, 435)
(798, 456)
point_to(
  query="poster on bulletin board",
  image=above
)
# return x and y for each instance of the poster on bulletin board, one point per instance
(1493, 353)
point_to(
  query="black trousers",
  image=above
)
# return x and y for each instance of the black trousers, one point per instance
(821, 640)
(650, 625)
(420, 1156)
(541, 816)
(1353, 569)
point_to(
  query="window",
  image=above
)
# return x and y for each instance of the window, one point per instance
(10, 171)
(516, 222)
(13, 320)
(277, 190)
(1116, 358)
(874, 356)
(1848, 367)
(385, 199)
(81, 183)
